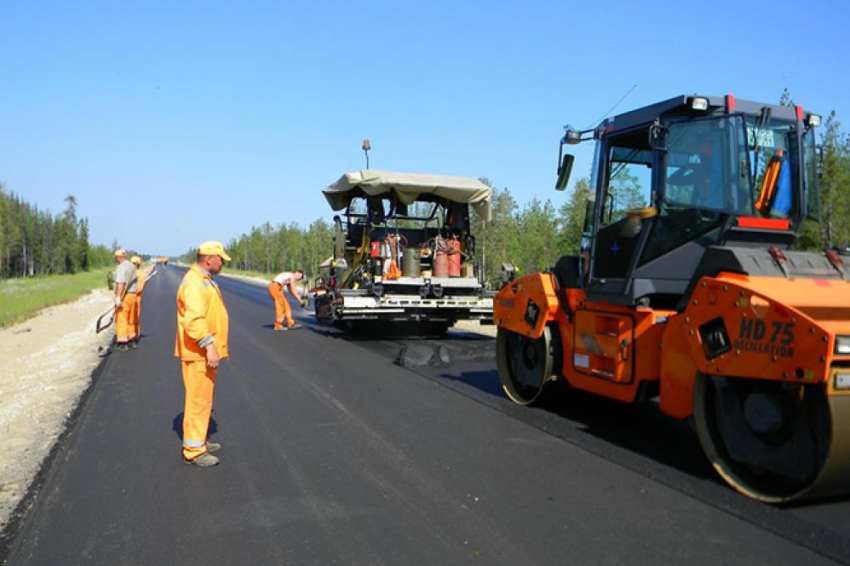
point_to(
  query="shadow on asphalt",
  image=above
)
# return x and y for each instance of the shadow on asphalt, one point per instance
(486, 381)
(177, 426)
(639, 428)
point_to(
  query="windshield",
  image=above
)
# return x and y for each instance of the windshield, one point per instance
(378, 211)
(706, 166)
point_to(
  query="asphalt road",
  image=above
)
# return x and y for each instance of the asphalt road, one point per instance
(334, 454)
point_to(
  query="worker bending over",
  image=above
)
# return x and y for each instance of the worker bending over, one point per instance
(140, 287)
(125, 302)
(201, 344)
(282, 311)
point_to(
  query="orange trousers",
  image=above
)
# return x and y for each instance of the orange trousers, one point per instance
(137, 316)
(282, 311)
(199, 382)
(125, 330)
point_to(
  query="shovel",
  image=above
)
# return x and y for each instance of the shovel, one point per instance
(101, 325)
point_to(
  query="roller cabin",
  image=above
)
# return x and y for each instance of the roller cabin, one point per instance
(687, 289)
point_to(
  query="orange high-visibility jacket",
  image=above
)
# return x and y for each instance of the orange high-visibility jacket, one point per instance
(201, 317)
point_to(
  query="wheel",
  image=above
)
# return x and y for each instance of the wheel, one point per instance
(323, 311)
(525, 364)
(773, 441)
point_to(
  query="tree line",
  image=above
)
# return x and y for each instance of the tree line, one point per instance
(285, 247)
(833, 230)
(35, 242)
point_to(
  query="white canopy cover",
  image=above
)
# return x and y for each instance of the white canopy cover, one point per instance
(408, 187)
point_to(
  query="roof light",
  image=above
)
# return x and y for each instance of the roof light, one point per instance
(699, 103)
(730, 103)
(814, 120)
(572, 137)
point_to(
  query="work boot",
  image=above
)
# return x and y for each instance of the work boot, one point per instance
(133, 345)
(278, 329)
(205, 460)
(294, 326)
(122, 348)
(213, 446)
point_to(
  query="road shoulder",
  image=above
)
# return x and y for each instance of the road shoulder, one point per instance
(47, 364)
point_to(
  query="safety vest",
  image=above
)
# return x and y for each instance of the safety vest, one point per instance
(200, 314)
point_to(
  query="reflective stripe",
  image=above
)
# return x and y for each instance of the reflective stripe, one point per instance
(193, 443)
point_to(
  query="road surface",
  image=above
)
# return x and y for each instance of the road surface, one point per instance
(334, 454)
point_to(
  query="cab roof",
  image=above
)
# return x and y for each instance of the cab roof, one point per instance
(680, 106)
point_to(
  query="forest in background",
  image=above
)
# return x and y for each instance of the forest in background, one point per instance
(35, 242)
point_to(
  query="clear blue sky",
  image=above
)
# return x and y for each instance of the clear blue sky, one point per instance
(178, 122)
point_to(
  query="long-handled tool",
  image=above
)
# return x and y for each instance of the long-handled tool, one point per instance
(100, 325)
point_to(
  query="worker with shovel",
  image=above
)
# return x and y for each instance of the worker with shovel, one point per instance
(282, 311)
(201, 344)
(125, 302)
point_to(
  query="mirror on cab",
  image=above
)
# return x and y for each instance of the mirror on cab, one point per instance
(565, 167)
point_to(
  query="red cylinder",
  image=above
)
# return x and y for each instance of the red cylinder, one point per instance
(454, 257)
(376, 249)
(441, 259)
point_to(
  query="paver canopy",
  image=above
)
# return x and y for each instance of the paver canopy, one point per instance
(408, 187)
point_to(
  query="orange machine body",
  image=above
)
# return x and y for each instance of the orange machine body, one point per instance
(763, 328)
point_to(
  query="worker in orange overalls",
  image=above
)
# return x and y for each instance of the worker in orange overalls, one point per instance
(282, 312)
(125, 301)
(201, 344)
(140, 286)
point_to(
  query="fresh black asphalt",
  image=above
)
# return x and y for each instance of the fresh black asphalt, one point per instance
(333, 454)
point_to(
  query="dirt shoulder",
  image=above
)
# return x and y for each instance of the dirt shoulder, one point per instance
(47, 364)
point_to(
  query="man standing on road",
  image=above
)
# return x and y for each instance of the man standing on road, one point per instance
(125, 302)
(137, 307)
(282, 311)
(201, 344)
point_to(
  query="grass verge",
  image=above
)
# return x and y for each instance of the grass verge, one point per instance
(22, 297)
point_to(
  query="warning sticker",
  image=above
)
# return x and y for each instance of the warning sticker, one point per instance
(581, 361)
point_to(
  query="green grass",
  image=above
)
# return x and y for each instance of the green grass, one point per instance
(22, 297)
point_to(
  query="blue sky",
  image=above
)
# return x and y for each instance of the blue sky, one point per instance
(178, 122)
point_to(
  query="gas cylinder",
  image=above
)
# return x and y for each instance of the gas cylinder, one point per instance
(410, 263)
(441, 258)
(454, 257)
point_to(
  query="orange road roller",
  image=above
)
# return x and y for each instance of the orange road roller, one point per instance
(687, 289)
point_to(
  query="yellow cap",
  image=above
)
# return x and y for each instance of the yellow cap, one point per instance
(213, 248)
(136, 259)
(119, 252)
